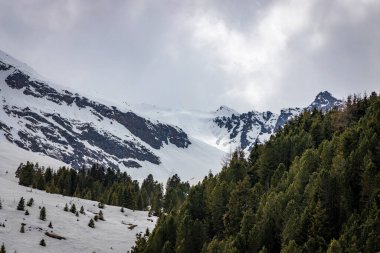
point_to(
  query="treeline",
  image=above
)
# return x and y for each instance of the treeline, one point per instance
(313, 187)
(109, 186)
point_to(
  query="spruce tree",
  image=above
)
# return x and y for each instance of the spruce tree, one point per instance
(66, 208)
(26, 174)
(22, 229)
(30, 202)
(50, 225)
(101, 205)
(43, 213)
(81, 210)
(77, 214)
(91, 224)
(1, 205)
(26, 212)
(43, 243)
(122, 209)
(21, 205)
(2, 250)
(96, 217)
(48, 175)
(73, 208)
(101, 217)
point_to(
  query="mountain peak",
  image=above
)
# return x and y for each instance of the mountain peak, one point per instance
(325, 101)
(224, 110)
(325, 94)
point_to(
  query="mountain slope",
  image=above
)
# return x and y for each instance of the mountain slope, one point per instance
(76, 130)
(111, 235)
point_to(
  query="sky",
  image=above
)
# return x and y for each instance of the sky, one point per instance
(246, 54)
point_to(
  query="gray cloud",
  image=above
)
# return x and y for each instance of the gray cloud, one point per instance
(199, 54)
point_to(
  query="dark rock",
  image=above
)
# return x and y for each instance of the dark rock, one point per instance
(131, 164)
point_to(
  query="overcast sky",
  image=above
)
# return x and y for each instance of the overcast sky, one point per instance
(246, 54)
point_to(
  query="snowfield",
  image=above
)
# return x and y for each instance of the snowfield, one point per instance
(111, 235)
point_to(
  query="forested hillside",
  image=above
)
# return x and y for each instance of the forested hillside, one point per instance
(313, 187)
(108, 186)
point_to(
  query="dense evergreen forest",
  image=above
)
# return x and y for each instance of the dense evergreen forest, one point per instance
(313, 187)
(108, 186)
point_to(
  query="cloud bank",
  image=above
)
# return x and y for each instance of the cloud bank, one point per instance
(260, 55)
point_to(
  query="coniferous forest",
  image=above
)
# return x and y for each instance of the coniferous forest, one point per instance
(313, 187)
(108, 186)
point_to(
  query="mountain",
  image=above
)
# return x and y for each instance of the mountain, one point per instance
(39, 116)
(243, 130)
(227, 129)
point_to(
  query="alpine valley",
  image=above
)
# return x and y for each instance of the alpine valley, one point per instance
(40, 117)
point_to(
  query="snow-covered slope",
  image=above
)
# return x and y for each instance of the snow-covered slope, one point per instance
(36, 116)
(225, 128)
(111, 235)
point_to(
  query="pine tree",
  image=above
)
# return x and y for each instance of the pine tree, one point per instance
(82, 210)
(43, 214)
(101, 217)
(21, 205)
(26, 212)
(91, 224)
(50, 225)
(77, 214)
(122, 209)
(22, 229)
(30, 202)
(2, 250)
(73, 208)
(66, 208)
(43, 243)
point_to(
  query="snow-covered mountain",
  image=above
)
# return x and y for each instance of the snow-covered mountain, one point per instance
(38, 116)
(244, 129)
(227, 129)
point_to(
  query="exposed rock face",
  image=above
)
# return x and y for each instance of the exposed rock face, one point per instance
(245, 128)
